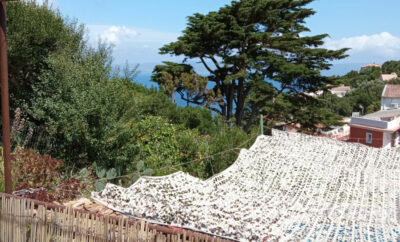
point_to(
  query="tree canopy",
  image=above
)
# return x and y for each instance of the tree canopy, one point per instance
(391, 67)
(34, 34)
(250, 45)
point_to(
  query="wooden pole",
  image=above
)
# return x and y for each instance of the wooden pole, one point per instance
(262, 124)
(5, 107)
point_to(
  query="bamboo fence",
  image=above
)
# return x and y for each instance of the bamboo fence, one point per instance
(24, 219)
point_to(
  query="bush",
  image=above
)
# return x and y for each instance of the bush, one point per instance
(41, 175)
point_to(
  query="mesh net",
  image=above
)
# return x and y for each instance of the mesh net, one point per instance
(287, 186)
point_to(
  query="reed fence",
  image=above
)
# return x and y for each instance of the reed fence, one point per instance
(24, 219)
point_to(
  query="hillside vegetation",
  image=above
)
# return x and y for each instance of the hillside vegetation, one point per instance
(75, 109)
(365, 95)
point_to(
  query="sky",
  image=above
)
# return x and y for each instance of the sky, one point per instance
(138, 28)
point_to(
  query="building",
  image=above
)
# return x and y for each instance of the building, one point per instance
(379, 129)
(370, 65)
(388, 77)
(390, 97)
(340, 91)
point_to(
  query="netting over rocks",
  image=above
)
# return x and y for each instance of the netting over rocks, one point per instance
(287, 186)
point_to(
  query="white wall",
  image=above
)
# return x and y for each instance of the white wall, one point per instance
(386, 103)
(396, 142)
(387, 140)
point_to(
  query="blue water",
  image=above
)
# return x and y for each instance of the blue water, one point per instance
(144, 80)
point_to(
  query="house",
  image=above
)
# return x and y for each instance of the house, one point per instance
(369, 66)
(379, 129)
(388, 77)
(390, 97)
(340, 91)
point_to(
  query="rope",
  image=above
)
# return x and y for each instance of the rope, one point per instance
(60, 187)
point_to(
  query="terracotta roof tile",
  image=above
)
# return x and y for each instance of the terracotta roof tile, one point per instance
(370, 65)
(391, 91)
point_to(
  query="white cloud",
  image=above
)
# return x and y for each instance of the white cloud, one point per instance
(122, 34)
(117, 34)
(367, 48)
(137, 45)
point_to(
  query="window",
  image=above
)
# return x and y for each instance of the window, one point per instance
(369, 138)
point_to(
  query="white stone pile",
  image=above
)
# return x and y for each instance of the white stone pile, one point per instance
(287, 186)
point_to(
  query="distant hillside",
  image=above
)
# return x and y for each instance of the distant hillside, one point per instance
(341, 69)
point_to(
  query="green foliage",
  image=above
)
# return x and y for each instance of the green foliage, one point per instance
(34, 34)
(301, 109)
(179, 78)
(340, 106)
(224, 147)
(354, 78)
(193, 118)
(365, 95)
(80, 105)
(141, 171)
(391, 66)
(206, 155)
(155, 141)
(104, 176)
(364, 98)
(371, 73)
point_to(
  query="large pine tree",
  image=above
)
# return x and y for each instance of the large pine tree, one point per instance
(251, 45)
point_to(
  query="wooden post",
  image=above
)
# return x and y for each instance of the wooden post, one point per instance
(5, 107)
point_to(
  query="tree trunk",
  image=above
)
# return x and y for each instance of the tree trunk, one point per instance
(241, 96)
(230, 94)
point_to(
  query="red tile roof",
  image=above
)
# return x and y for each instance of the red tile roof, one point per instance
(391, 91)
(370, 65)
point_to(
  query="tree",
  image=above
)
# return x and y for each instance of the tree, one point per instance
(251, 42)
(342, 106)
(355, 78)
(371, 73)
(391, 66)
(178, 78)
(366, 97)
(79, 104)
(34, 34)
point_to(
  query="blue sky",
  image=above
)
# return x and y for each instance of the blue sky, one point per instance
(137, 28)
